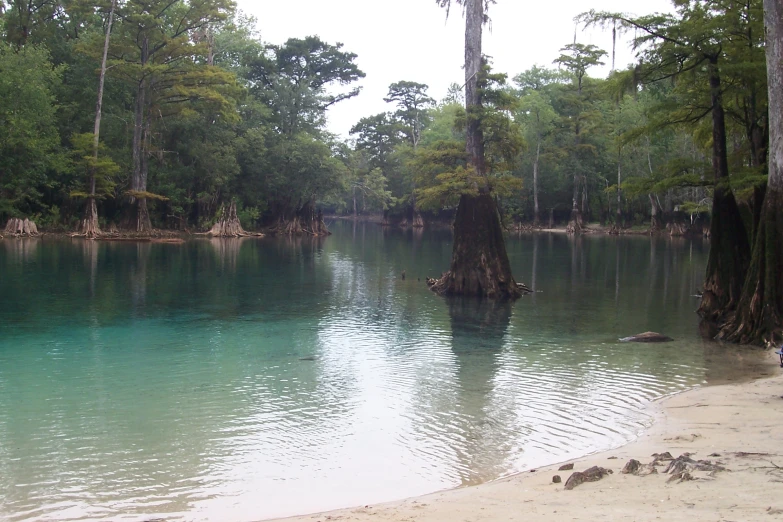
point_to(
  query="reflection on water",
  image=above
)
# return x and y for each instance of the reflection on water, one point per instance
(243, 379)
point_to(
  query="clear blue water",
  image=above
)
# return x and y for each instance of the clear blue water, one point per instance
(246, 379)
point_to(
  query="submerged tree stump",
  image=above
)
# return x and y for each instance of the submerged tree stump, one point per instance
(21, 228)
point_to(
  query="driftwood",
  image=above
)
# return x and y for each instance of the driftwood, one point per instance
(634, 467)
(684, 463)
(589, 475)
(524, 288)
(680, 468)
(647, 337)
(21, 227)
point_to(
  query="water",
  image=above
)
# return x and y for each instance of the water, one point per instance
(246, 379)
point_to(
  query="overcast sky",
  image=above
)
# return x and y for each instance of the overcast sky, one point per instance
(412, 40)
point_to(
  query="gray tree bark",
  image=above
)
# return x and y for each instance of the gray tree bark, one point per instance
(89, 223)
(536, 215)
(138, 218)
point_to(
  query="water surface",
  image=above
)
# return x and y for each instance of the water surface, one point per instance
(245, 379)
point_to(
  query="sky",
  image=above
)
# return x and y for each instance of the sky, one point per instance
(413, 40)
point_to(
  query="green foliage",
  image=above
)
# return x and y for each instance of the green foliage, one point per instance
(226, 116)
(30, 156)
(103, 168)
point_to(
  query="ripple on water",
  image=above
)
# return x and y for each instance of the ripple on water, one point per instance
(161, 391)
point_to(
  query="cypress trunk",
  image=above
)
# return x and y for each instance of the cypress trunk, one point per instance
(536, 215)
(656, 223)
(137, 218)
(88, 226)
(758, 316)
(729, 249)
(479, 262)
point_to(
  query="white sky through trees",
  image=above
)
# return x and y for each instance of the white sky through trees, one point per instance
(412, 40)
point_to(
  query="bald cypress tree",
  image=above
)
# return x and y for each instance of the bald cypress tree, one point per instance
(479, 262)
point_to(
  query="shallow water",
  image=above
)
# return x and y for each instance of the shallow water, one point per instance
(246, 379)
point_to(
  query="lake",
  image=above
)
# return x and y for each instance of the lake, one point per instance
(237, 380)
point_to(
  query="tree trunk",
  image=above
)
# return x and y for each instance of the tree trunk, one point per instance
(656, 223)
(536, 216)
(21, 227)
(760, 310)
(228, 225)
(137, 216)
(729, 249)
(479, 262)
(619, 219)
(305, 221)
(417, 221)
(88, 226)
(575, 225)
(474, 19)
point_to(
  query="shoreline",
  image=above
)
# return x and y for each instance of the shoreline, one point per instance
(736, 426)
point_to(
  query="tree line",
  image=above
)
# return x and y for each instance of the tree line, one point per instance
(198, 111)
(153, 113)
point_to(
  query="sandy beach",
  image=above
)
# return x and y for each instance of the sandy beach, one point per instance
(733, 434)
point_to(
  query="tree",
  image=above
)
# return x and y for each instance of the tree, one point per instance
(24, 18)
(690, 47)
(760, 309)
(29, 141)
(378, 136)
(479, 262)
(537, 114)
(577, 59)
(88, 226)
(155, 51)
(412, 104)
(293, 79)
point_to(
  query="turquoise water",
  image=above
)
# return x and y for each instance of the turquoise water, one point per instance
(246, 379)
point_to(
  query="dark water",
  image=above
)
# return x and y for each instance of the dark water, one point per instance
(244, 379)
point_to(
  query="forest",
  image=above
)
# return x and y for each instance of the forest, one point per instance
(175, 114)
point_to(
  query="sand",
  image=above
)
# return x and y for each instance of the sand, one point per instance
(736, 426)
